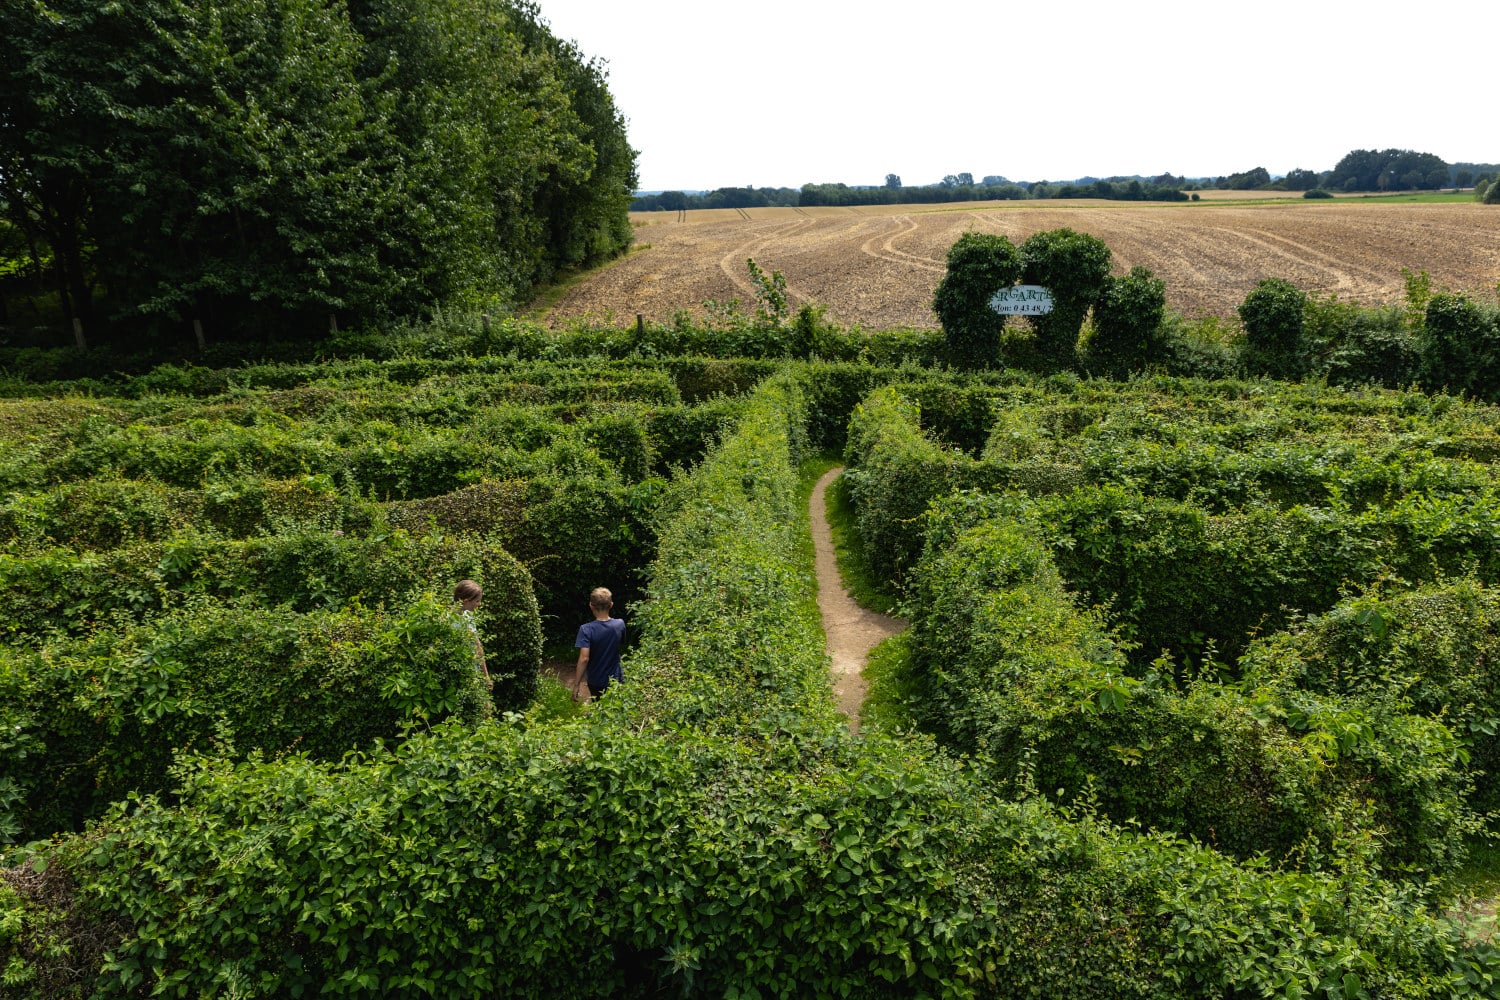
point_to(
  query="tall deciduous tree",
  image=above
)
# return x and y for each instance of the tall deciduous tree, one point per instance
(264, 161)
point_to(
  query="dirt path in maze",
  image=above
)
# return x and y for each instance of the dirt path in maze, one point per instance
(852, 631)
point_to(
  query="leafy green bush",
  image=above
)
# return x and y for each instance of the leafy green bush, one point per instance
(727, 612)
(1127, 322)
(578, 533)
(1075, 266)
(682, 435)
(1272, 316)
(480, 509)
(93, 719)
(882, 868)
(893, 472)
(1179, 579)
(979, 265)
(96, 514)
(624, 441)
(394, 462)
(1436, 648)
(1361, 346)
(1317, 193)
(1460, 346)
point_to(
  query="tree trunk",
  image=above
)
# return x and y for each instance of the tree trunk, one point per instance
(70, 255)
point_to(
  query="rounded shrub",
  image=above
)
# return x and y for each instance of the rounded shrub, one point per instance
(1127, 321)
(979, 265)
(1273, 317)
(1459, 345)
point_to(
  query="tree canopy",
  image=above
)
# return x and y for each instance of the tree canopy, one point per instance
(261, 163)
(1389, 170)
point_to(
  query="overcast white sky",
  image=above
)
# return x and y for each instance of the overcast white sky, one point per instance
(782, 92)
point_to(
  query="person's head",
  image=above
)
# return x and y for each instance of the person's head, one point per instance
(468, 594)
(601, 600)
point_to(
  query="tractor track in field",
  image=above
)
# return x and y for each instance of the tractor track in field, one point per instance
(890, 254)
(878, 267)
(733, 262)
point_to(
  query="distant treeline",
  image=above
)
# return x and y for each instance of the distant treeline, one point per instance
(261, 167)
(1361, 170)
(1118, 189)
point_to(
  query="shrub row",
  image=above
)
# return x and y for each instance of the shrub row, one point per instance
(1172, 560)
(895, 470)
(1011, 670)
(473, 864)
(76, 593)
(443, 400)
(389, 461)
(730, 642)
(89, 720)
(697, 378)
(1179, 579)
(1234, 413)
(573, 533)
(104, 513)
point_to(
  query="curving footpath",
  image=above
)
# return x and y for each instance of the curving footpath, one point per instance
(852, 631)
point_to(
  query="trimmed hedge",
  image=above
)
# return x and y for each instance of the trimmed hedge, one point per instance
(75, 593)
(1196, 575)
(1010, 670)
(1181, 580)
(1436, 648)
(549, 381)
(730, 643)
(90, 720)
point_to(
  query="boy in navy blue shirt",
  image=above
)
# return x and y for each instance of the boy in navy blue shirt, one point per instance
(598, 647)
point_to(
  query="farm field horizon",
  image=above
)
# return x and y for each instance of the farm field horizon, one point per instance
(877, 266)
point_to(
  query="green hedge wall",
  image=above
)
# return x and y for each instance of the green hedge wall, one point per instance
(1436, 648)
(1185, 581)
(1011, 671)
(90, 720)
(895, 470)
(1197, 575)
(78, 592)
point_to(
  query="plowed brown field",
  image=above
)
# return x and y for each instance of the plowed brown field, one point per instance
(878, 266)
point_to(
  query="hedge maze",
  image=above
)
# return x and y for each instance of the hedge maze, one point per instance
(1203, 670)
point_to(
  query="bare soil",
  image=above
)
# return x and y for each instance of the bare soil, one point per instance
(852, 631)
(878, 266)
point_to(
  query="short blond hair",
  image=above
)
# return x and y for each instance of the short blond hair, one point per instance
(600, 599)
